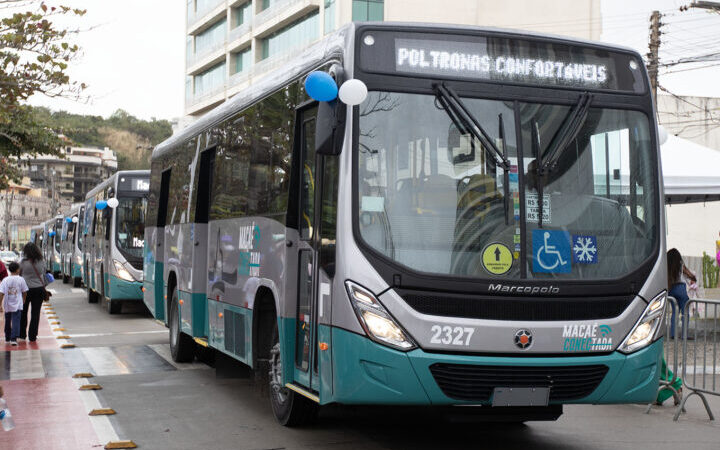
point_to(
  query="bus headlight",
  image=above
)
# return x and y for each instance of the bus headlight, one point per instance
(375, 320)
(648, 327)
(122, 272)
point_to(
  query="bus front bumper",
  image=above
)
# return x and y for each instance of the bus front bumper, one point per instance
(365, 372)
(119, 289)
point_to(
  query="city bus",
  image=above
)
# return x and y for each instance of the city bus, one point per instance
(51, 244)
(479, 224)
(71, 246)
(113, 239)
(36, 235)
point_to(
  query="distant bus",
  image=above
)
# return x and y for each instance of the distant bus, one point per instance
(484, 228)
(113, 239)
(51, 244)
(36, 235)
(71, 245)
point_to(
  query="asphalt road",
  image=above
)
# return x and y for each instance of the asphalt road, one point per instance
(162, 405)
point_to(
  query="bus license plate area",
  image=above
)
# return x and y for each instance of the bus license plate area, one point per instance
(521, 396)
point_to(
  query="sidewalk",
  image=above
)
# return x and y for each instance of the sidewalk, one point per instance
(49, 412)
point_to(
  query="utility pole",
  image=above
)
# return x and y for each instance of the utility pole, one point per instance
(653, 59)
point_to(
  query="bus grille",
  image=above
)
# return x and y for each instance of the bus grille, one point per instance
(512, 308)
(476, 383)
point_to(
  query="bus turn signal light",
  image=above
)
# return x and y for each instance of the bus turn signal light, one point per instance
(324, 346)
(181, 301)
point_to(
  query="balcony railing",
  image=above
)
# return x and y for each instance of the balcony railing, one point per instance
(194, 59)
(276, 9)
(207, 95)
(238, 32)
(239, 77)
(200, 13)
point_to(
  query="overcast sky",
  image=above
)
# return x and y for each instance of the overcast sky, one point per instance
(133, 57)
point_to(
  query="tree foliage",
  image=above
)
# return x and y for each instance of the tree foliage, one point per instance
(34, 58)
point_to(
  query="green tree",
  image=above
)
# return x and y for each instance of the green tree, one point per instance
(34, 57)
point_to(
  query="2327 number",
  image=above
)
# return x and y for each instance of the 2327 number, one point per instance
(448, 335)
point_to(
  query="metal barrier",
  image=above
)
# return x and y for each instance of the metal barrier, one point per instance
(700, 334)
(671, 353)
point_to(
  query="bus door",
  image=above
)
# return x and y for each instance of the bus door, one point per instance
(306, 312)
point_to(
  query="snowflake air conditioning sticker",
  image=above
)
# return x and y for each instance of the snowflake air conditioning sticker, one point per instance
(584, 249)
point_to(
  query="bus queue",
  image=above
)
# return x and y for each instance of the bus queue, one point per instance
(402, 215)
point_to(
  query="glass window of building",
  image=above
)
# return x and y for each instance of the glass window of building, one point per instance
(269, 3)
(242, 14)
(242, 60)
(203, 6)
(210, 80)
(367, 10)
(296, 34)
(188, 48)
(210, 38)
(188, 88)
(329, 16)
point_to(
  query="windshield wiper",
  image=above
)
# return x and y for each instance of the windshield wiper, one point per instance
(457, 110)
(567, 133)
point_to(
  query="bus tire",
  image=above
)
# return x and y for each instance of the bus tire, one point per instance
(182, 347)
(91, 296)
(77, 281)
(290, 408)
(114, 306)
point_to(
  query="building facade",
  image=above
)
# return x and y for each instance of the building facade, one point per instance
(21, 208)
(67, 179)
(231, 43)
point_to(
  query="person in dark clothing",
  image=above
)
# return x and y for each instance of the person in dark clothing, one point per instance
(32, 269)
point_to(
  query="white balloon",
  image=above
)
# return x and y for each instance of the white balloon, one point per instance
(75, 219)
(113, 202)
(353, 92)
(662, 134)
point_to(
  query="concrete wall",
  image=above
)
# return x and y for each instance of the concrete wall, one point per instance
(694, 118)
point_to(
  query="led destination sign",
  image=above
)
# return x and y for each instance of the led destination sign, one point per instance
(464, 60)
(501, 59)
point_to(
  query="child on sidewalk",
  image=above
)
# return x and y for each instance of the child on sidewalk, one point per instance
(13, 290)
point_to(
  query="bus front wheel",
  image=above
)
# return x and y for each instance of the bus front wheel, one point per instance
(182, 347)
(91, 296)
(290, 408)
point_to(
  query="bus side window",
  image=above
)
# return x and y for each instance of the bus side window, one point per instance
(163, 201)
(328, 216)
(307, 180)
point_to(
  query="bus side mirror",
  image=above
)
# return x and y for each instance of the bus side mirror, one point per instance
(329, 127)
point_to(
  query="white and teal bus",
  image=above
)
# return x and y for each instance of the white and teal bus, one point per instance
(71, 259)
(51, 244)
(113, 239)
(476, 220)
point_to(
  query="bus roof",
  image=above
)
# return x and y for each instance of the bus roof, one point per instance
(110, 180)
(336, 44)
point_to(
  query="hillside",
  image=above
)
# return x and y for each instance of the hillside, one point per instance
(130, 137)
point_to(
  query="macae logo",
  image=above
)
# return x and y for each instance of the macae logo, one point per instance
(587, 338)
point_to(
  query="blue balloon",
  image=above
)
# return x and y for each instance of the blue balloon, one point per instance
(68, 219)
(102, 204)
(51, 234)
(320, 86)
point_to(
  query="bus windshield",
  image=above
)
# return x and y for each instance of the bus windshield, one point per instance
(433, 199)
(130, 225)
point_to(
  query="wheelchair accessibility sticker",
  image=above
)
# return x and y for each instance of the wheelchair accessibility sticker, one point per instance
(551, 251)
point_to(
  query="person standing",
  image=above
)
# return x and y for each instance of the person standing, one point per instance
(32, 269)
(13, 291)
(676, 286)
(3, 271)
